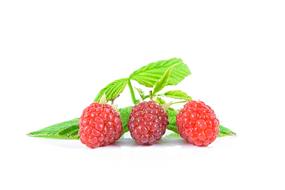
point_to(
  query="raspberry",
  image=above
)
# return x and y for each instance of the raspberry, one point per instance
(197, 123)
(147, 123)
(99, 125)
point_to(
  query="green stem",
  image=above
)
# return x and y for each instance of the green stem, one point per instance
(132, 92)
(151, 95)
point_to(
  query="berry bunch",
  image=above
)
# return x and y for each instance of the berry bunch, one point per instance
(102, 124)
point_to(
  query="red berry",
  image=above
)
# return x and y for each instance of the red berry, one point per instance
(99, 125)
(197, 123)
(147, 123)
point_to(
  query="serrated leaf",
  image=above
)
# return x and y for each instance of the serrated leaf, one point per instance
(162, 82)
(112, 90)
(178, 94)
(63, 130)
(151, 73)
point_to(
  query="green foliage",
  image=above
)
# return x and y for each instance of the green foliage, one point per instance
(178, 94)
(157, 75)
(151, 73)
(125, 114)
(162, 82)
(63, 130)
(112, 90)
(226, 132)
(172, 119)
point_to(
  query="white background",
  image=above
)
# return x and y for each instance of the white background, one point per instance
(56, 55)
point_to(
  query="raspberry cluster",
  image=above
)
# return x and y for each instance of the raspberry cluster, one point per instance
(100, 124)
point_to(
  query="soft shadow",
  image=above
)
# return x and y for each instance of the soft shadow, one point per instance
(129, 142)
(123, 142)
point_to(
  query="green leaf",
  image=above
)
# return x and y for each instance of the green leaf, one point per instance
(226, 132)
(113, 90)
(125, 114)
(178, 94)
(162, 82)
(171, 113)
(64, 130)
(151, 73)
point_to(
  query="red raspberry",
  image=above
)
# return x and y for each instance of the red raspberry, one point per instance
(147, 123)
(197, 123)
(99, 125)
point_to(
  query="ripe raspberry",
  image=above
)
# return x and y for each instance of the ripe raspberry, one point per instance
(197, 123)
(99, 125)
(147, 123)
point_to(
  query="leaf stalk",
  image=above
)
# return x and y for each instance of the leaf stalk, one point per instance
(132, 92)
